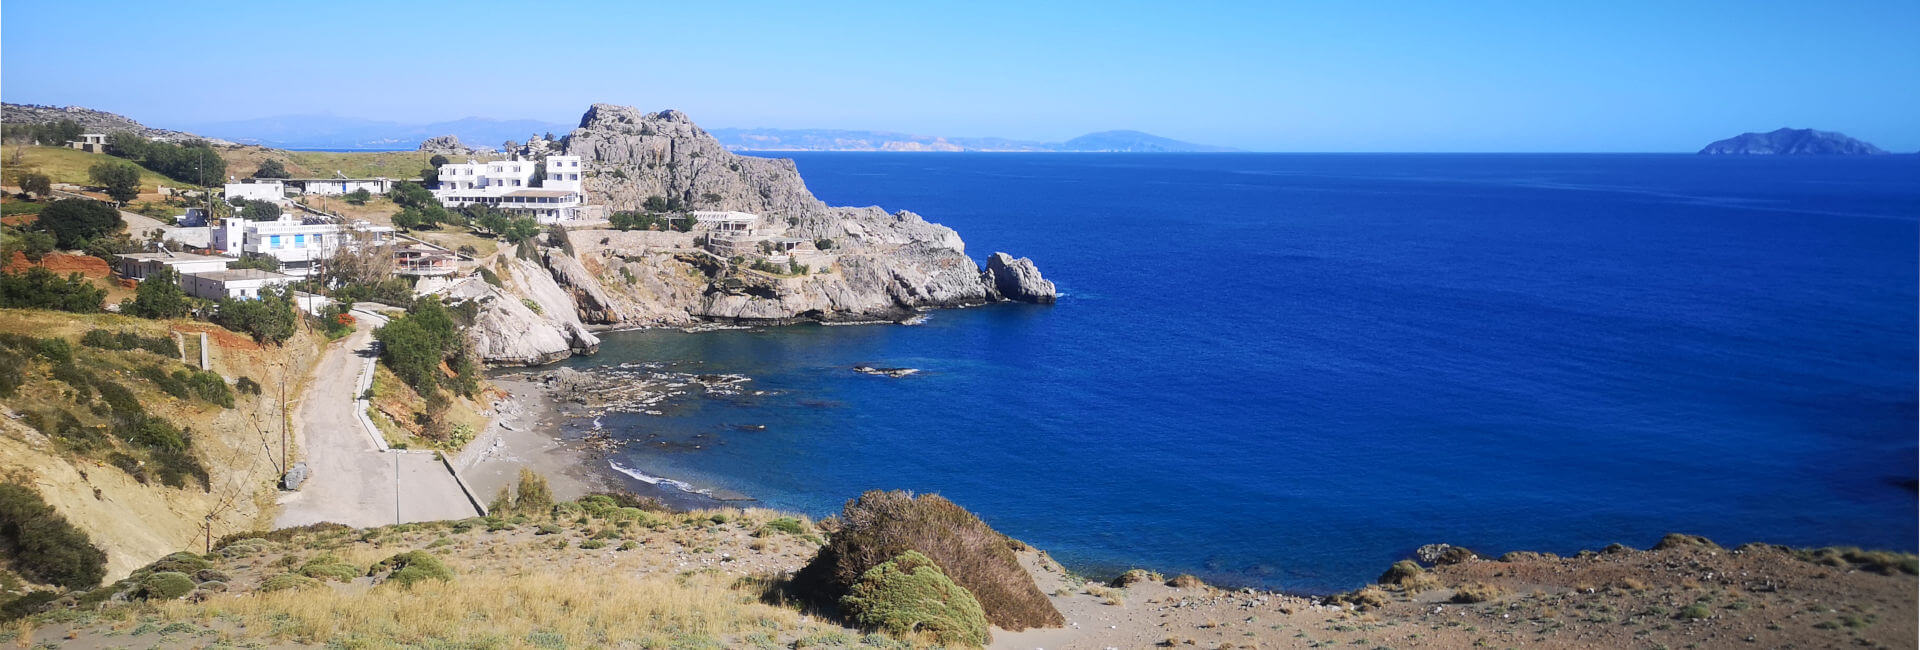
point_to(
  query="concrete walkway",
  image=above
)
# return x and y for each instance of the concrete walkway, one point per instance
(352, 482)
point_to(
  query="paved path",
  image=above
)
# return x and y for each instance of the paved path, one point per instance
(351, 481)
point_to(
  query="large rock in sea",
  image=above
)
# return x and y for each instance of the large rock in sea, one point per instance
(1794, 142)
(1017, 279)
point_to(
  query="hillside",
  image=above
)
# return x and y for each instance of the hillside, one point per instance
(52, 433)
(1791, 142)
(332, 132)
(601, 572)
(92, 121)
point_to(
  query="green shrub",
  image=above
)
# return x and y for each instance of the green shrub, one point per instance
(327, 567)
(548, 529)
(165, 585)
(593, 544)
(42, 545)
(39, 288)
(412, 567)
(880, 526)
(288, 581)
(910, 594)
(181, 562)
(1696, 611)
(27, 604)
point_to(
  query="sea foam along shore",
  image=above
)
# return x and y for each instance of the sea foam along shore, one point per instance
(530, 431)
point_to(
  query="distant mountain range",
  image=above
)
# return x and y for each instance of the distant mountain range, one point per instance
(845, 140)
(329, 132)
(1791, 142)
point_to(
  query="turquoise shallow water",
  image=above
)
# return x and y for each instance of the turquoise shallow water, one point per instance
(1291, 370)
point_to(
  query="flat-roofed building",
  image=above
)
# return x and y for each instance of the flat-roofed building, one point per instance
(508, 185)
(236, 283)
(137, 266)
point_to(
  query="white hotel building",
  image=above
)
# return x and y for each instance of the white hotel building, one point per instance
(508, 185)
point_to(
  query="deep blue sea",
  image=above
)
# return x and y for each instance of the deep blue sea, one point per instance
(1292, 370)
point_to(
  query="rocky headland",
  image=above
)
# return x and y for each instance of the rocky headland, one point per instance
(844, 264)
(1791, 142)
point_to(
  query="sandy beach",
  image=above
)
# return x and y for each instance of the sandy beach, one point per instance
(526, 432)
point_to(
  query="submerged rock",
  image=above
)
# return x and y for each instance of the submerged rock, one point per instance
(885, 372)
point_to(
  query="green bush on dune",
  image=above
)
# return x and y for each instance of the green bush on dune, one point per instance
(910, 594)
(165, 585)
(881, 526)
(412, 567)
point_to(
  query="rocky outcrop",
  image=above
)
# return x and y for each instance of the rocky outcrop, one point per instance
(528, 321)
(449, 145)
(1791, 142)
(590, 301)
(877, 265)
(1017, 279)
(631, 155)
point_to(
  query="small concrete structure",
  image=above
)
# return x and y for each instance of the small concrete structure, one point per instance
(137, 266)
(729, 233)
(90, 143)
(237, 283)
(421, 260)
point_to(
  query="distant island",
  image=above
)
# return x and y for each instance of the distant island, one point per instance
(1791, 142)
(845, 140)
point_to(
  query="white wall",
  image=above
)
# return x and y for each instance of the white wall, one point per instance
(265, 191)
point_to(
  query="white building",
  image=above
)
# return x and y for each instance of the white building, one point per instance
(237, 283)
(296, 244)
(336, 186)
(137, 266)
(563, 173)
(258, 190)
(508, 185)
(729, 233)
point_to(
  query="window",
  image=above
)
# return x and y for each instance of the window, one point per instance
(274, 241)
(299, 241)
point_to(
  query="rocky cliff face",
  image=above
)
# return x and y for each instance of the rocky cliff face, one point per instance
(877, 265)
(1791, 142)
(509, 330)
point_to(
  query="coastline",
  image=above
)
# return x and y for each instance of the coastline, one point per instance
(530, 430)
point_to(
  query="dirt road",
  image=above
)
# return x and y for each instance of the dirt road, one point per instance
(352, 482)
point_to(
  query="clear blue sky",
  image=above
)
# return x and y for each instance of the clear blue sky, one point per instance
(1285, 76)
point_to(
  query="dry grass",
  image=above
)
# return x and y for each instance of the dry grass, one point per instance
(65, 165)
(580, 606)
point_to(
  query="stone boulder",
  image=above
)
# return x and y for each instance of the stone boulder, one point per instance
(1017, 279)
(448, 145)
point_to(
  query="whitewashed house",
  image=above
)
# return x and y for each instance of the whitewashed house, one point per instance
(258, 190)
(236, 283)
(338, 186)
(137, 266)
(508, 185)
(296, 244)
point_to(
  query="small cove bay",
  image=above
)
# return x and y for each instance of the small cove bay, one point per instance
(1291, 370)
